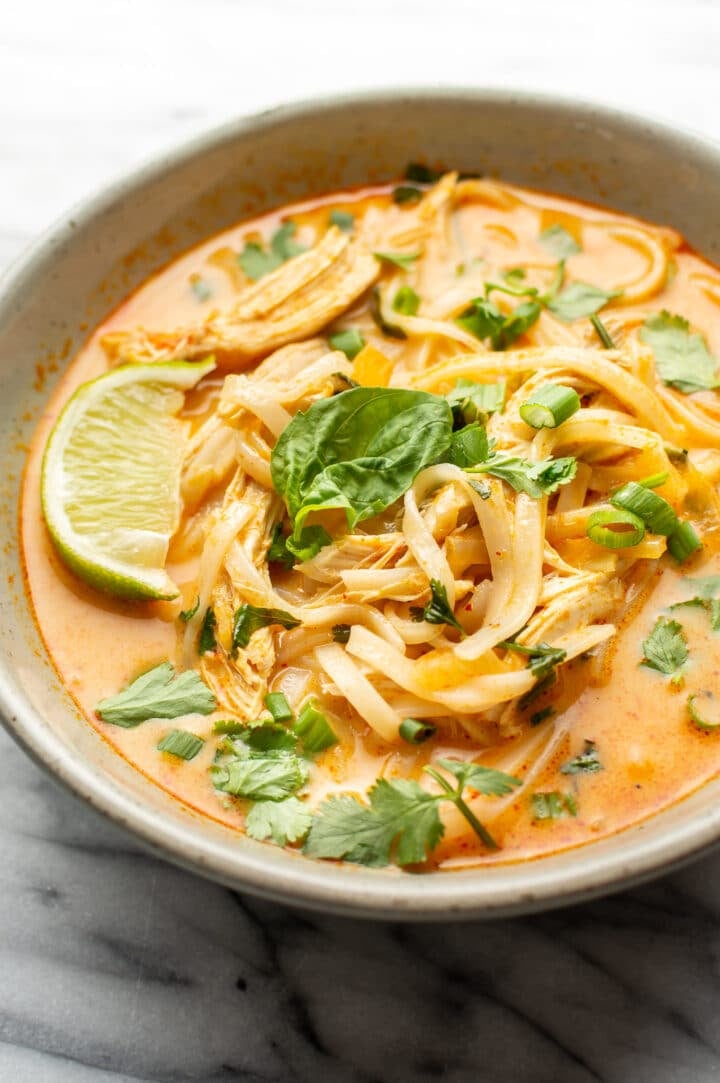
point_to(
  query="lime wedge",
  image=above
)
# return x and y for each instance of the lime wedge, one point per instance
(110, 483)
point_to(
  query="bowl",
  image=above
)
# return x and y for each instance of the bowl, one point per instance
(79, 271)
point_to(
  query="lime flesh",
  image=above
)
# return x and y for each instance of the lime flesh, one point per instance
(110, 484)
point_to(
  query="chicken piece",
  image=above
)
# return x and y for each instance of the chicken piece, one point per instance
(294, 301)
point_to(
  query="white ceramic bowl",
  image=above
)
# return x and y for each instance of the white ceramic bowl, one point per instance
(77, 273)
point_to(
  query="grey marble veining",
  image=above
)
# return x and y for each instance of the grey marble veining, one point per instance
(115, 966)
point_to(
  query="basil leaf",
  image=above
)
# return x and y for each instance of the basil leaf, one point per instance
(159, 693)
(308, 543)
(278, 551)
(682, 358)
(558, 242)
(284, 822)
(360, 450)
(580, 299)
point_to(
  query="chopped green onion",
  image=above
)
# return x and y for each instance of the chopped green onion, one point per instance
(700, 721)
(406, 301)
(278, 707)
(415, 732)
(404, 260)
(182, 744)
(654, 481)
(657, 515)
(350, 342)
(550, 406)
(602, 332)
(343, 220)
(683, 542)
(314, 730)
(615, 528)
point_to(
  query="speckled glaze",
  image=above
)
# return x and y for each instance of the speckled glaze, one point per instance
(75, 275)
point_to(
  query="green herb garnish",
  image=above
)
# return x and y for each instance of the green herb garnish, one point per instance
(665, 649)
(249, 618)
(257, 261)
(580, 299)
(587, 762)
(343, 220)
(437, 610)
(206, 639)
(558, 242)
(682, 357)
(182, 744)
(284, 822)
(551, 806)
(158, 693)
(350, 342)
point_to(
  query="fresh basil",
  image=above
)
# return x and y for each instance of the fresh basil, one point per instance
(360, 451)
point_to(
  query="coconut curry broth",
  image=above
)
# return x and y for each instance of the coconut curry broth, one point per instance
(651, 755)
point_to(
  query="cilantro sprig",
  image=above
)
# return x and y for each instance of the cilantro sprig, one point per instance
(401, 821)
(665, 649)
(682, 357)
(158, 693)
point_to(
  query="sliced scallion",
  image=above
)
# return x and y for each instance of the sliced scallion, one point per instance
(615, 528)
(278, 707)
(350, 342)
(683, 542)
(602, 332)
(550, 406)
(406, 301)
(313, 730)
(180, 743)
(415, 732)
(654, 481)
(657, 515)
(699, 719)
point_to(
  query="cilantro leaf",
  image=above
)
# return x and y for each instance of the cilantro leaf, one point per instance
(707, 588)
(682, 358)
(469, 446)
(188, 614)
(278, 552)
(400, 812)
(551, 806)
(474, 402)
(206, 639)
(542, 658)
(536, 479)
(437, 610)
(482, 318)
(580, 299)
(249, 618)
(343, 220)
(558, 242)
(284, 821)
(520, 320)
(665, 649)
(257, 261)
(350, 342)
(271, 775)
(484, 780)
(341, 633)
(159, 693)
(406, 193)
(404, 260)
(586, 762)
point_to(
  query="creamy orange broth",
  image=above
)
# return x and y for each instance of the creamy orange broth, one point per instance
(651, 754)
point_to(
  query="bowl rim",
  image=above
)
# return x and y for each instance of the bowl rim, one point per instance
(343, 889)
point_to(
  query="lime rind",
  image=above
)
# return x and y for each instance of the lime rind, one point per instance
(110, 488)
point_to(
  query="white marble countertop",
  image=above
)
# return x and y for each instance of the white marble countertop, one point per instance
(115, 966)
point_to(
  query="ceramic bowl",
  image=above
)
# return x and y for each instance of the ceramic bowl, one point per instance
(78, 272)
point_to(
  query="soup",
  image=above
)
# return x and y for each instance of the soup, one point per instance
(441, 582)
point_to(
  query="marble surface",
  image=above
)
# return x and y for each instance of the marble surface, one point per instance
(115, 966)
